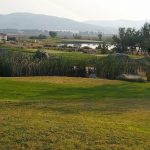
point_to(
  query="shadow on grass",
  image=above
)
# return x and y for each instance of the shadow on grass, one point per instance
(113, 98)
(94, 93)
(43, 91)
(103, 106)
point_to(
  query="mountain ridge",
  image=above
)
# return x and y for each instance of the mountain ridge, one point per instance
(45, 22)
(118, 23)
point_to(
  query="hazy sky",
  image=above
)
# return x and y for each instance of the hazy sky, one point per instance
(81, 9)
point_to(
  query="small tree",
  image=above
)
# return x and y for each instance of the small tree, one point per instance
(53, 34)
(40, 54)
(104, 48)
(100, 36)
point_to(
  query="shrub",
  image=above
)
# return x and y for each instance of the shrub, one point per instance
(40, 54)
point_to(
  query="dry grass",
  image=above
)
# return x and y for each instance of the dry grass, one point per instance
(66, 81)
(107, 124)
(73, 114)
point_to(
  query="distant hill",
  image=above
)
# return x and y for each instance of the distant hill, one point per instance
(43, 22)
(118, 23)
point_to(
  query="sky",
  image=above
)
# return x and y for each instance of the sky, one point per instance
(81, 10)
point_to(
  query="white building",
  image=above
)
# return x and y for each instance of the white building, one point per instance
(3, 37)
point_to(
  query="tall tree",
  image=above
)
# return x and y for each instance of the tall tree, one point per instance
(145, 37)
(127, 39)
(119, 41)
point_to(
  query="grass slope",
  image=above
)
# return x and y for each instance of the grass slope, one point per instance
(74, 113)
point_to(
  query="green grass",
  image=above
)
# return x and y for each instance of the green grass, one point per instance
(74, 113)
(73, 55)
(23, 89)
(56, 53)
(14, 49)
(136, 56)
(53, 41)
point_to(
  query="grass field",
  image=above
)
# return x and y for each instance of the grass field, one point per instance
(61, 113)
(57, 53)
(64, 54)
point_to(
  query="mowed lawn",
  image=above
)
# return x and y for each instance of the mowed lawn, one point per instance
(62, 113)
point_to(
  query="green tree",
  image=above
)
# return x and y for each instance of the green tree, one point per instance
(119, 41)
(100, 36)
(104, 48)
(131, 39)
(127, 39)
(53, 34)
(145, 37)
(40, 54)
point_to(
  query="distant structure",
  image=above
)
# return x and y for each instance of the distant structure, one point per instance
(3, 37)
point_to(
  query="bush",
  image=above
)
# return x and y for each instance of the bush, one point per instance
(40, 54)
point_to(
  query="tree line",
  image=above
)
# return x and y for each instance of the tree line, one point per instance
(129, 39)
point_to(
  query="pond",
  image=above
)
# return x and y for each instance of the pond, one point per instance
(89, 45)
